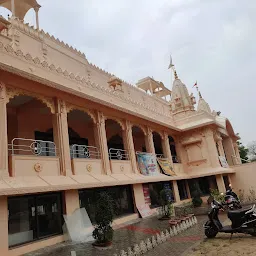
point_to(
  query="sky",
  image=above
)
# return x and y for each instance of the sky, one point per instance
(212, 42)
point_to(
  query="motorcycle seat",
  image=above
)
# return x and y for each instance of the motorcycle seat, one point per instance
(238, 213)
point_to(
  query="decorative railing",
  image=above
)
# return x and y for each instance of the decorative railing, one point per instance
(118, 154)
(20, 146)
(83, 151)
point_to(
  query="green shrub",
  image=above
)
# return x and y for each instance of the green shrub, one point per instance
(166, 202)
(197, 201)
(104, 214)
(196, 194)
(217, 195)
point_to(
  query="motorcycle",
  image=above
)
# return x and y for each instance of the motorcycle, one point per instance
(243, 221)
(231, 199)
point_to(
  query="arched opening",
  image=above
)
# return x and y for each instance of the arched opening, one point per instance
(81, 135)
(28, 124)
(173, 150)
(116, 147)
(158, 144)
(138, 139)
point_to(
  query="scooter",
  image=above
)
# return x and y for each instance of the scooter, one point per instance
(243, 221)
(231, 199)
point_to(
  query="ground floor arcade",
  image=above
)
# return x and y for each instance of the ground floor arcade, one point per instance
(34, 219)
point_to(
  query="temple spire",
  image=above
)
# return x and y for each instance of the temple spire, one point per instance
(181, 102)
(202, 104)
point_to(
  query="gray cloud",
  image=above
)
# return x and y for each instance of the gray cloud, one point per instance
(211, 41)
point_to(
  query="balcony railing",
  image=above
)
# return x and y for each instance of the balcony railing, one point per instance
(83, 151)
(20, 146)
(118, 154)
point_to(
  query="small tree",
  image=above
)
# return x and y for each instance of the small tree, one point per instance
(196, 194)
(243, 151)
(166, 202)
(104, 213)
(214, 193)
(252, 150)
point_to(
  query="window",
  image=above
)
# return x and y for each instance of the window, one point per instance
(34, 217)
(122, 196)
(154, 189)
(203, 185)
(182, 189)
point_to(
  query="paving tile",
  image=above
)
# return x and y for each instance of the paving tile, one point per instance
(129, 235)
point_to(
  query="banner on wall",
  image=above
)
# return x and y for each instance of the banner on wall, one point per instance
(166, 166)
(223, 161)
(145, 210)
(147, 164)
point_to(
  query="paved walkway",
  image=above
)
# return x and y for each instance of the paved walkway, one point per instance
(128, 236)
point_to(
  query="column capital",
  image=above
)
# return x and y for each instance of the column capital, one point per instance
(149, 132)
(100, 119)
(128, 125)
(2, 90)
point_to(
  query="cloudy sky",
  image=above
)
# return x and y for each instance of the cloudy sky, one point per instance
(211, 41)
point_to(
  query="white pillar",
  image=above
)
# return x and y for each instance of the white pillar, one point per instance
(13, 8)
(37, 17)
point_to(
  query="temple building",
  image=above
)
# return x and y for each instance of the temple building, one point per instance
(69, 130)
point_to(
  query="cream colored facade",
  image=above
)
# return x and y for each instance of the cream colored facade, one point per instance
(48, 88)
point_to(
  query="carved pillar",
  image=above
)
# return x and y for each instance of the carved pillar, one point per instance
(238, 158)
(220, 147)
(229, 150)
(166, 147)
(61, 137)
(3, 133)
(212, 150)
(129, 145)
(149, 141)
(102, 143)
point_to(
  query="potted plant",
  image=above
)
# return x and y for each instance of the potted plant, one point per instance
(166, 204)
(104, 213)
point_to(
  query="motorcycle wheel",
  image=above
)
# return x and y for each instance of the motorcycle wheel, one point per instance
(211, 232)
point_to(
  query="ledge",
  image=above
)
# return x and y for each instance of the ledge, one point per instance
(191, 142)
(197, 162)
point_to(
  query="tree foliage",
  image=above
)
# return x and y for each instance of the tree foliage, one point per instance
(243, 152)
(104, 214)
(252, 150)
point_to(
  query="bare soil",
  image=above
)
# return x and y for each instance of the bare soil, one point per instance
(222, 245)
